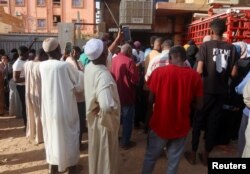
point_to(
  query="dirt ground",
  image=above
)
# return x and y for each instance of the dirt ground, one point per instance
(18, 155)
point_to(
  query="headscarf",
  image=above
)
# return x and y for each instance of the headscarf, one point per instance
(137, 44)
(243, 48)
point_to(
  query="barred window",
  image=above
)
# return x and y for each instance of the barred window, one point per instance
(41, 23)
(19, 2)
(77, 3)
(3, 2)
(40, 2)
(56, 2)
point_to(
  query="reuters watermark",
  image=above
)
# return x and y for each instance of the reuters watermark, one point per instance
(229, 166)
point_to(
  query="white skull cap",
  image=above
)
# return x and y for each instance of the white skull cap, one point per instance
(93, 49)
(50, 44)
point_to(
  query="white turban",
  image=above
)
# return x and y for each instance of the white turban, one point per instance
(50, 44)
(93, 49)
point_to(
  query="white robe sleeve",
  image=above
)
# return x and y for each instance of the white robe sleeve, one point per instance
(77, 78)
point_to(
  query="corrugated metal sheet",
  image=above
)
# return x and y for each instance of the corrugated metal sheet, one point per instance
(10, 41)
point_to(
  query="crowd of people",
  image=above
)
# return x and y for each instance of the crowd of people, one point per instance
(109, 88)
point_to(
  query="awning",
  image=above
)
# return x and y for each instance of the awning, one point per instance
(168, 8)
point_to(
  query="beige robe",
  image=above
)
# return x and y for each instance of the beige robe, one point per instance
(33, 101)
(103, 118)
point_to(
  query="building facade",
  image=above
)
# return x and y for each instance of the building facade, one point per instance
(170, 17)
(42, 16)
(10, 23)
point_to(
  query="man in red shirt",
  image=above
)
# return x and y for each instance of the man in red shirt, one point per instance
(126, 76)
(173, 90)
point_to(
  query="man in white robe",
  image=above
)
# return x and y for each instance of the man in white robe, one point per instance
(33, 101)
(15, 103)
(60, 119)
(102, 111)
(33, 97)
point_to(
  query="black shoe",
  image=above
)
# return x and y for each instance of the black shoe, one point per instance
(190, 157)
(203, 157)
(75, 169)
(72, 170)
(53, 169)
(128, 146)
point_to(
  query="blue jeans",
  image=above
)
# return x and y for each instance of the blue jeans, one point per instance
(127, 116)
(155, 147)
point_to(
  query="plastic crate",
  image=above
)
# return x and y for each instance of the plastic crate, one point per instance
(136, 12)
(238, 24)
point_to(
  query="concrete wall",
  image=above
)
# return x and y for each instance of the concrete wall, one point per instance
(5, 28)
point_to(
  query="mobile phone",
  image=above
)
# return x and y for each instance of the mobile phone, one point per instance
(126, 34)
(68, 47)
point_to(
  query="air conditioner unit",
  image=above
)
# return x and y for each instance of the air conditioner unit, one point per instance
(229, 2)
(55, 19)
(18, 13)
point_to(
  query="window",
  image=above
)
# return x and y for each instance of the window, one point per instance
(41, 23)
(3, 2)
(40, 2)
(19, 2)
(77, 3)
(56, 2)
(56, 19)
